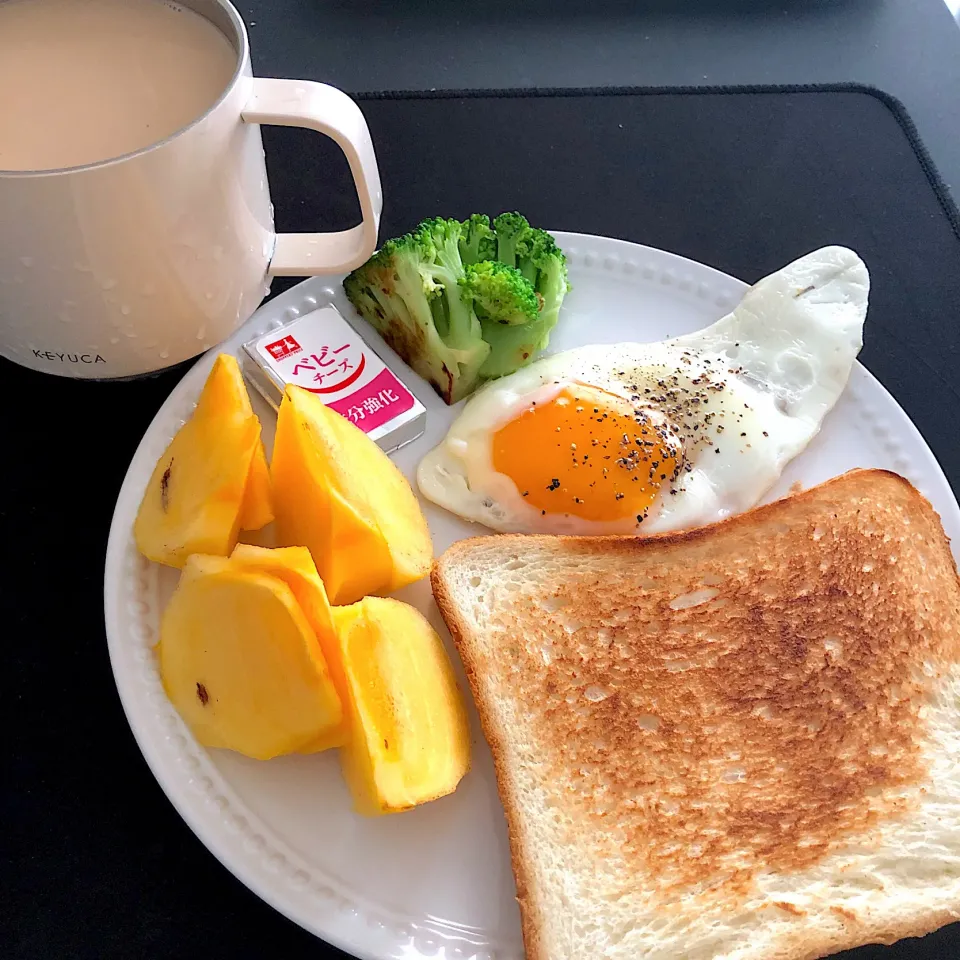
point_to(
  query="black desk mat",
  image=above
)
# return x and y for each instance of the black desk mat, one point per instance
(98, 863)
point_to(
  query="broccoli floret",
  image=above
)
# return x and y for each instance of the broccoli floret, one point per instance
(535, 254)
(542, 262)
(461, 302)
(511, 231)
(500, 294)
(409, 292)
(440, 241)
(477, 242)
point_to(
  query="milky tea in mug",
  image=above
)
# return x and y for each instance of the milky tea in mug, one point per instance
(136, 229)
(89, 80)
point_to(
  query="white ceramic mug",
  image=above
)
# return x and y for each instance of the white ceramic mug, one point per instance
(127, 266)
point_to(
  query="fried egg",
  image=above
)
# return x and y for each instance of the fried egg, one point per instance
(660, 436)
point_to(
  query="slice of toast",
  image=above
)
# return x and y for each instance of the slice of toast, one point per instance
(740, 741)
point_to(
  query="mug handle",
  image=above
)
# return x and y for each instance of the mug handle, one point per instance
(317, 106)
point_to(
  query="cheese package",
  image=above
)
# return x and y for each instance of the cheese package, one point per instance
(322, 353)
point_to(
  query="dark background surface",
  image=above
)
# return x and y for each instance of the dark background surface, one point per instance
(908, 48)
(99, 864)
(104, 866)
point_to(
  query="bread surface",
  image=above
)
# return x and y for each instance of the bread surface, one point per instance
(740, 741)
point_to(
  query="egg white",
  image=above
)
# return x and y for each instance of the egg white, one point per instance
(781, 358)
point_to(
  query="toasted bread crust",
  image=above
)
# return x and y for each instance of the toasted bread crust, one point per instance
(828, 750)
(529, 916)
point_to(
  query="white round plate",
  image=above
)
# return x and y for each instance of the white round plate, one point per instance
(436, 881)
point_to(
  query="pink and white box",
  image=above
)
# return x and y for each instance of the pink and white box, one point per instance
(322, 353)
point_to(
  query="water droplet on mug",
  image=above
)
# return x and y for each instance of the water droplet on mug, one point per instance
(208, 295)
(108, 284)
(81, 267)
(201, 333)
(65, 317)
(130, 334)
(27, 261)
(151, 343)
(164, 354)
(114, 339)
(125, 309)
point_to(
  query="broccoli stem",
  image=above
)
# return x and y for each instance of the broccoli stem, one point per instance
(512, 346)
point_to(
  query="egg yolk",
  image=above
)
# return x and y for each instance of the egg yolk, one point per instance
(587, 453)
